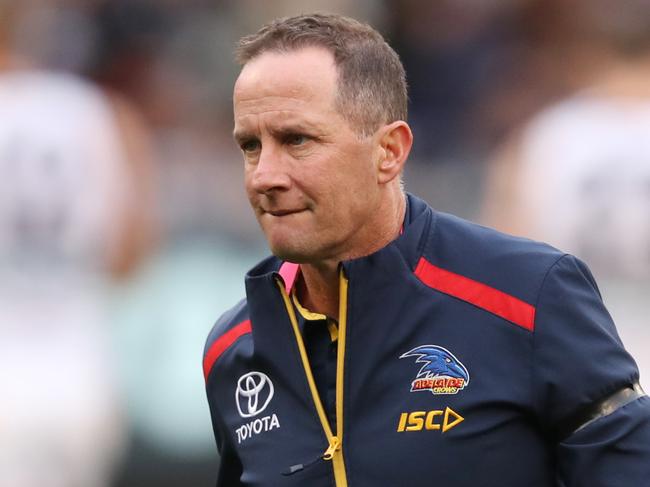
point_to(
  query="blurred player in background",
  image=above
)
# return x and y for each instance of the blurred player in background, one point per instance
(75, 213)
(578, 174)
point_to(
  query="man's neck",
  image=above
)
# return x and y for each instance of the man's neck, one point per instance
(318, 286)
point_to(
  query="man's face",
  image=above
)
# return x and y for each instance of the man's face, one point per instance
(309, 176)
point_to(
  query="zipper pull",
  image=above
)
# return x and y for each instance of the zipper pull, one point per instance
(335, 445)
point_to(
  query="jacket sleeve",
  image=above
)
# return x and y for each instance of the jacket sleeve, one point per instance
(579, 362)
(230, 467)
(611, 451)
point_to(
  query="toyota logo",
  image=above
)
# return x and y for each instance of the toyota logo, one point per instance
(254, 392)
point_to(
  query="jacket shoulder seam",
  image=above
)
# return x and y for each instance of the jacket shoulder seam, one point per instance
(222, 343)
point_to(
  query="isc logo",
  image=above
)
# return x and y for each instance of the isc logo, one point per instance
(431, 420)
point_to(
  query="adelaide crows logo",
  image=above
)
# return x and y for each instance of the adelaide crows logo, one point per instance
(442, 372)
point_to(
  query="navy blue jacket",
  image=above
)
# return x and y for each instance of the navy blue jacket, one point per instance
(466, 358)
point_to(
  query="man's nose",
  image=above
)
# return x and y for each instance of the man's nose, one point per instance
(270, 172)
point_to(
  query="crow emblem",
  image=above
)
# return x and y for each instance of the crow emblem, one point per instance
(441, 372)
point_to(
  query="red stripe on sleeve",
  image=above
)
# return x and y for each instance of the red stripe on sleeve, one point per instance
(499, 303)
(222, 343)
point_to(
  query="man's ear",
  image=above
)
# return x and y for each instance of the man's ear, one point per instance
(395, 141)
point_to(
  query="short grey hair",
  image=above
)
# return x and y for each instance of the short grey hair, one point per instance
(372, 88)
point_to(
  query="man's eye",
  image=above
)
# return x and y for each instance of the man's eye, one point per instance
(296, 139)
(250, 145)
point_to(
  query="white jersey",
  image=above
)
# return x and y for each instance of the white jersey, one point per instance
(585, 182)
(584, 186)
(63, 184)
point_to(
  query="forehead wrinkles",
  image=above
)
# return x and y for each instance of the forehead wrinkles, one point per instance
(270, 119)
(282, 92)
(275, 112)
(277, 122)
(259, 105)
(256, 97)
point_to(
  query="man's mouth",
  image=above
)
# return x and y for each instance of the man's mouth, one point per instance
(284, 212)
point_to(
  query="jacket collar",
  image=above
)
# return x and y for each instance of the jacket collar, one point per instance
(419, 223)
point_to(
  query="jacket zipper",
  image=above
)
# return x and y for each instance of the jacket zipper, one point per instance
(334, 451)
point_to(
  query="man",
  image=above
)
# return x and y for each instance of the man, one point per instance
(385, 343)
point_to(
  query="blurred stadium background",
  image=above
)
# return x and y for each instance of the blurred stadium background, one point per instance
(529, 115)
